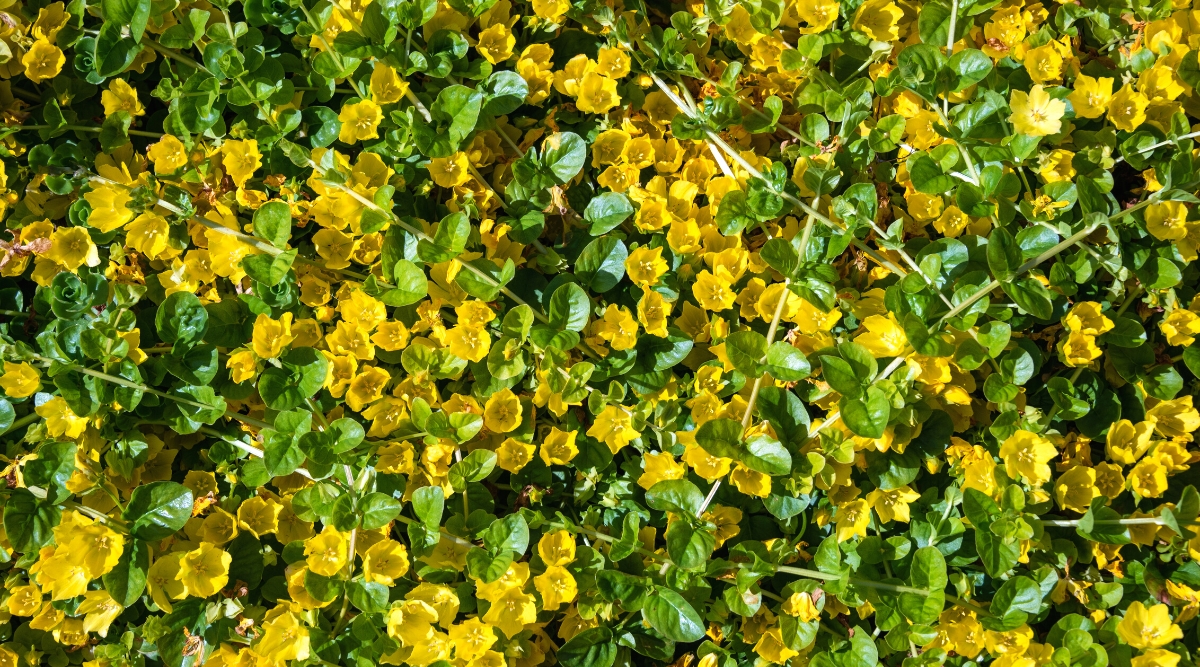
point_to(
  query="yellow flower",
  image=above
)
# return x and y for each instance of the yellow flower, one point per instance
(241, 159)
(952, 222)
(708, 467)
(550, 9)
(1056, 166)
(471, 639)
(1156, 657)
(556, 586)
(892, 505)
(614, 426)
(163, 580)
(43, 61)
(819, 14)
(1035, 113)
(660, 466)
(511, 612)
(147, 234)
(362, 310)
(512, 455)
(714, 291)
(1127, 109)
(168, 154)
(284, 638)
(1078, 349)
(559, 447)
(801, 605)
(72, 247)
(1148, 478)
(1127, 442)
(557, 547)
(384, 562)
(243, 365)
(645, 266)
(771, 647)
(1025, 456)
(1175, 418)
(204, 571)
(879, 20)
(468, 343)
(597, 93)
(359, 121)
(652, 311)
(1076, 488)
(386, 85)
(259, 515)
(121, 96)
(271, 336)
(327, 553)
(1091, 96)
(1167, 221)
(852, 520)
(1150, 628)
(496, 43)
(1044, 63)
(1180, 326)
(1086, 317)
(60, 421)
(366, 387)
(884, 337)
(449, 172)
(750, 482)
(502, 412)
(20, 380)
(99, 610)
(613, 63)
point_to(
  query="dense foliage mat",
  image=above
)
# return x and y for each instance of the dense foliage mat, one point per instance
(485, 333)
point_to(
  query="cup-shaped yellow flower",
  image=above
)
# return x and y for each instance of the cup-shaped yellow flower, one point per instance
(1151, 628)
(614, 426)
(270, 336)
(204, 571)
(559, 447)
(882, 336)
(20, 380)
(43, 61)
(556, 586)
(1026, 455)
(360, 121)
(327, 552)
(1035, 113)
(502, 412)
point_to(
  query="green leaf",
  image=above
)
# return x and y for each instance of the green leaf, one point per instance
(126, 582)
(29, 522)
(181, 320)
(593, 647)
(563, 153)
(157, 510)
(54, 465)
(474, 467)
(428, 504)
(410, 285)
(378, 510)
(606, 211)
(601, 265)
(510, 532)
(273, 223)
(1032, 296)
(866, 417)
(673, 617)
(675, 495)
(570, 308)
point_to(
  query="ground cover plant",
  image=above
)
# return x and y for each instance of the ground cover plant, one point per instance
(493, 333)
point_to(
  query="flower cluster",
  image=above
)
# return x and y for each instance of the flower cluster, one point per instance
(493, 333)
